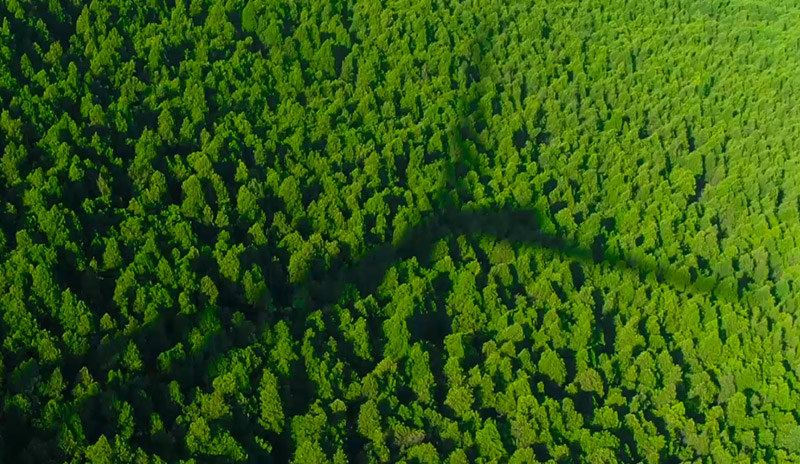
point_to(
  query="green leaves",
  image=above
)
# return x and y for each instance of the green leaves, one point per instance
(206, 179)
(271, 417)
(421, 379)
(131, 360)
(369, 425)
(246, 203)
(552, 365)
(229, 263)
(193, 197)
(100, 452)
(111, 256)
(249, 15)
(460, 400)
(490, 445)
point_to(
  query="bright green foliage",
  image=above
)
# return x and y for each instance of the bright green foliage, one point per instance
(131, 358)
(100, 452)
(271, 410)
(489, 442)
(421, 231)
(111, 256)
(553, 366)
(421, 378)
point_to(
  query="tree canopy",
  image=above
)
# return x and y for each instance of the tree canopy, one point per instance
(432, 231)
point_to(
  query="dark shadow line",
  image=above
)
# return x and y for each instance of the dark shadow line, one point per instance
(515, 226)
(293, 303)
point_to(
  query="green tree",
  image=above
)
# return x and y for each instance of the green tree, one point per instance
(132, 359)
(246, 203)
(100, 452)
(552, 365)
(421, 378)
(490, 445)
(271, 410)
(460, 400)
(112, 258)
(193, 197)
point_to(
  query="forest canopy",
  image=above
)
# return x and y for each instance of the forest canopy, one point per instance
(427, 231)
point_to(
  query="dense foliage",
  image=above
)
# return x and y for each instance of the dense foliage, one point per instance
(423, 232)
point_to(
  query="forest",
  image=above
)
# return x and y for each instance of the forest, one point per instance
(417, 231)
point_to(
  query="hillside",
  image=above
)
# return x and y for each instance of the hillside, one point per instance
(428, 231)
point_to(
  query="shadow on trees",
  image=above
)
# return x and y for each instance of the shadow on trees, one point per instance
(294, 303)
(515, 226)
(324, 287)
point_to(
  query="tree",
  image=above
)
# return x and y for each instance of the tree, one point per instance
(460, 400)
(397, 335)
(249, 16)
(100, 452)
(166, 125)
(369, 426)
(788, 437)
(420, 376)
(208, 288)
(282, 353)
(229, 264)
(590, 380)
(193, 197)
(424, 453)
(490, 445)
(552, 365)
(311, 452)
(289, 191)
(132, 359)
(300, 262)
(522, 455)
(246, 203)
(271, 410)
(112, 258)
